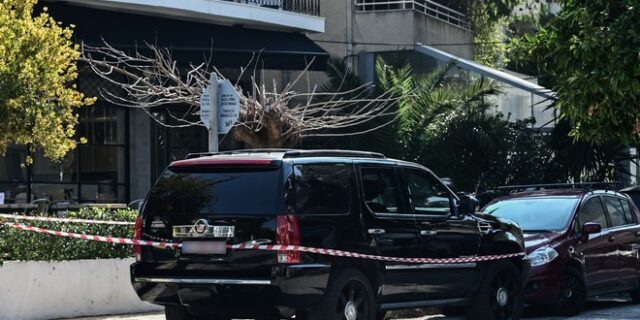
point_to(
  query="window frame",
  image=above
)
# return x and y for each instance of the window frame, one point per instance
(290, 183)
(610, 196)
(431, 176)
(581, 206)
(632, 208)
(403, 206)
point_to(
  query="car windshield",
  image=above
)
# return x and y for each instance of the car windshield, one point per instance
(536, 214)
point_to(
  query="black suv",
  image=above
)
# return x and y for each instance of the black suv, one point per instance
(353, 201)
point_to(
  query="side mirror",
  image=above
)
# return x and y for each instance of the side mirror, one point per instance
(590, 228)
(467, 205)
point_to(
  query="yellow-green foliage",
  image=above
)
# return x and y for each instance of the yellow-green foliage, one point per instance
(38, 67)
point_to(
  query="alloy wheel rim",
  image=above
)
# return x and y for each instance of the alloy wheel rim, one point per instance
(570, 288)
(503, 297)
(352, 302)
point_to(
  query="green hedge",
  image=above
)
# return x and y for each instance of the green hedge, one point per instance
(24, 245)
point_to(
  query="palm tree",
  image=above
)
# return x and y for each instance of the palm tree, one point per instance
(429, 101)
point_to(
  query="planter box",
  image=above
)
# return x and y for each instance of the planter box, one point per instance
(50, 290)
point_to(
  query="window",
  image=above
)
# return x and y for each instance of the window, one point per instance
(322, 189)
(93, 172)
(428, 195)
(216, 192)
(628, 212)
(536, 213)
(616, 212)
(592, 211)
(381, 191)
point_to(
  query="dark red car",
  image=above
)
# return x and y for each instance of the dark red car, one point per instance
(581, 243)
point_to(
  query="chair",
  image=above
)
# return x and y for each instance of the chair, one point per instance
(61, 208)
(42, 205)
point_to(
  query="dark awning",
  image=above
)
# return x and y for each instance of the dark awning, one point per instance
(192, 42)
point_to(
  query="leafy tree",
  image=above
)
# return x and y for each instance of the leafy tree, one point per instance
(426, 101)
(590, 50)
(37, 71)
(584, 160)
(445, 123)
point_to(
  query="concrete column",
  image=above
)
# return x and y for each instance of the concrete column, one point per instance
(140, 153)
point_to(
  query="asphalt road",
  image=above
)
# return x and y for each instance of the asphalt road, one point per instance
(602, 309)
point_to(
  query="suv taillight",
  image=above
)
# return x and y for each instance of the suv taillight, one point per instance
(287, 233)
(137, 235)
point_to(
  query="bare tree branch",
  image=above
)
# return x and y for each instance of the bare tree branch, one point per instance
(268, 117)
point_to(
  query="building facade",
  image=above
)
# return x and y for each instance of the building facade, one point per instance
(127, 149)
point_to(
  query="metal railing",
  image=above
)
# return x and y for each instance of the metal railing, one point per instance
(426, 7)
(310, 7)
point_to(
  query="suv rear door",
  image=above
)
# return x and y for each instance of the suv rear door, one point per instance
(442, 235)
(207, 207)
(391, 228)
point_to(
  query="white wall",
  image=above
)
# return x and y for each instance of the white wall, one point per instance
(48, 290)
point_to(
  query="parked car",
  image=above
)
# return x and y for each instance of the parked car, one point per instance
(581, 243)
(356, 201)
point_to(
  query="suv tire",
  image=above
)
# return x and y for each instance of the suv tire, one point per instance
(177, 313)
(573, 293)
(500, 296)
(348, 296)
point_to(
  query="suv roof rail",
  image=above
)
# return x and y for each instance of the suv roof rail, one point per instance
(576, 185)
(332, 153)
(207, 154)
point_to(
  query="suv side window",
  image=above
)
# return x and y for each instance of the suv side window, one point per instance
(427, 194)
(592, 211)
(381, 190)
(616, 213)
(322, 188)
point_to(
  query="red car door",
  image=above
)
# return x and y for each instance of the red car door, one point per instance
(600, 251)
(625, 229)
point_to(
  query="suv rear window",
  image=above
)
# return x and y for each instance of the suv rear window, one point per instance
(322, 188)
(220, 191)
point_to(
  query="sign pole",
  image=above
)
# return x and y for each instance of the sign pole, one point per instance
(213, 113)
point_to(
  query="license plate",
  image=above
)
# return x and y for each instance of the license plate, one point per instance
(204, 247)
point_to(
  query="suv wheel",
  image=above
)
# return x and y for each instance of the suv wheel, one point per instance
(177, 313)
(500, 296)
(348, 297)
(573, 293)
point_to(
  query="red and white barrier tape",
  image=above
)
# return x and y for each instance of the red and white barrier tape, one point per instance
(106, 239)
(67, 220)
(328, 252)
(340, 253)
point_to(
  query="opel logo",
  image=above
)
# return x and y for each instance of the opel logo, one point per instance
(201, 226)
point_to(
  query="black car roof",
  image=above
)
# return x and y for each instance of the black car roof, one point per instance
(296, 155)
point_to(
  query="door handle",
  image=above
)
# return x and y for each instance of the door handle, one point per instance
(428, 232)
(612, 238)
(638, 234)
(376, 231)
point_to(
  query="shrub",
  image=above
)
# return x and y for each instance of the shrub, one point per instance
(24, 245)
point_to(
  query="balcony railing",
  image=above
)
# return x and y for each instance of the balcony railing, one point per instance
(310, 7)
(426, 7)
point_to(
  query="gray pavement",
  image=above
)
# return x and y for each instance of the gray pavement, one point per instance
(601, 309)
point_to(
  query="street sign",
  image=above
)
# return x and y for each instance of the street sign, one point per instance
(228, 106)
